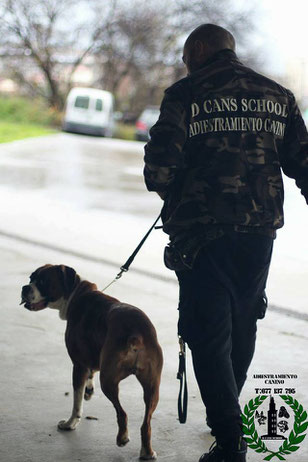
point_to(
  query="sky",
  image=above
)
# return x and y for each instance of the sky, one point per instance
(283, 31)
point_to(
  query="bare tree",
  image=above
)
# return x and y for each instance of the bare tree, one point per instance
(136, 45)
(241, 20)
(41, 32)
(130, 40)
(143, 42)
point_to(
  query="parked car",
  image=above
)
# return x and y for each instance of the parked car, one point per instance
(89, 111)
(145, 121)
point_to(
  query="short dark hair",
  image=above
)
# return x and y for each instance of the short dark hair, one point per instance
(216, 37)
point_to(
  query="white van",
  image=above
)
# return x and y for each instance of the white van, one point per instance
(89, 111)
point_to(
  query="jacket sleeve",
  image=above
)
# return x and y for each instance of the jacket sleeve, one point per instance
(294, 155)
(164, 156)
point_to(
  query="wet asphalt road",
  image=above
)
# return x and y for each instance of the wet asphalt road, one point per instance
(86, 172)
(88, 193)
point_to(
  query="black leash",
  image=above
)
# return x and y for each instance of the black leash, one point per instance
(183, 395)
(130, 260)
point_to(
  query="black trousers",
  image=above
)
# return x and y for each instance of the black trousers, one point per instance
(219, 305)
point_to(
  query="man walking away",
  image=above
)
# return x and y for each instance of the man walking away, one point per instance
(215, 158)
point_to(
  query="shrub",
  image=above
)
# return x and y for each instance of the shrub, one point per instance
(23, 110)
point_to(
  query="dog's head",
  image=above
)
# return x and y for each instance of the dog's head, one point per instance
(48, 285)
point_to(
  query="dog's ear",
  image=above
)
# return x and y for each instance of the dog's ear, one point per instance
(68, 277)
(35, 274)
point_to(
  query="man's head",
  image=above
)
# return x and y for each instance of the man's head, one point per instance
(203, 42)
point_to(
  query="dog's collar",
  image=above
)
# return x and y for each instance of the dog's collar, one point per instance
(63, 312)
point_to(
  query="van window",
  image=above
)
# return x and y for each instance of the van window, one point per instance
(82, 102)
(99, 105)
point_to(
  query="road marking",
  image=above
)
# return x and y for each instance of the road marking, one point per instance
(84, 256)
(278, 309)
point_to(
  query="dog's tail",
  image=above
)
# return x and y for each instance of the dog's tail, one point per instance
(135, 342)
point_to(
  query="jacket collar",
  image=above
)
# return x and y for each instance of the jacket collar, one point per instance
(226, 54)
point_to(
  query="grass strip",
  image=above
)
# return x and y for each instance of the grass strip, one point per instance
(11, 131)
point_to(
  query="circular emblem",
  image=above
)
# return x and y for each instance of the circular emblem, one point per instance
(290, 444)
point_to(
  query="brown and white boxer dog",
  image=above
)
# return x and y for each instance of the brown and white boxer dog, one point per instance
(102, 334)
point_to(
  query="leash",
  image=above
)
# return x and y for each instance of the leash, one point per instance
(181, 376)
(130, 260)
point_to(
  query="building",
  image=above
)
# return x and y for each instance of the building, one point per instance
(272, 423)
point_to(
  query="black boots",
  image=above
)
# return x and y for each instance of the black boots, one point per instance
(215, 454)
(232, 451)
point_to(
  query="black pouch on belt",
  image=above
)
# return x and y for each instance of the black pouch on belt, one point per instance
(173, 259)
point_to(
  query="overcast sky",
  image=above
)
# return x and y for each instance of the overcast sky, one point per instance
(285, 27)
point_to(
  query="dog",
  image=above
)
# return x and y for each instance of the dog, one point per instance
(102, 334)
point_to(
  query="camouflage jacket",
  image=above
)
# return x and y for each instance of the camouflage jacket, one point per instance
(216, 152)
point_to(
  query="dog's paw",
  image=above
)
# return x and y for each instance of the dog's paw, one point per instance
(88, 393)
(68, 425)
(144, 456)
(122, 440)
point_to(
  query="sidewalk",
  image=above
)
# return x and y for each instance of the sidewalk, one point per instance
(36, 373)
